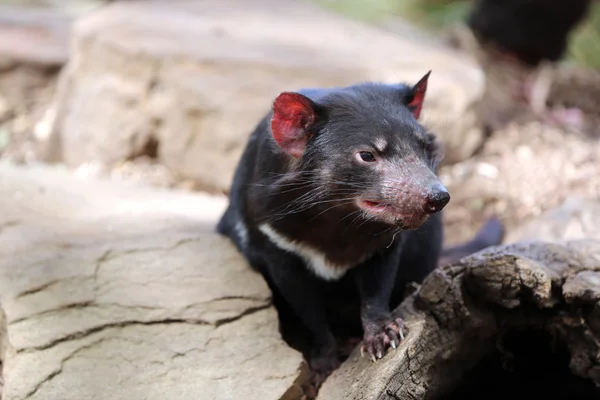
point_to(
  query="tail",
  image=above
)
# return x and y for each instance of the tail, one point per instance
(490, 234)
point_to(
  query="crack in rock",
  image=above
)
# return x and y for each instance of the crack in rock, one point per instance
(122, 324)
(38, 289)
(82, 304)
(113, 254)
(86, 304)
(58, 370)
(9, 224)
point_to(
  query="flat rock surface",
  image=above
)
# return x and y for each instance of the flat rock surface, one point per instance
(121, 292)
(191, 79)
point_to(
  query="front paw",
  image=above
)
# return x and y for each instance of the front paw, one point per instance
(321, 366)
(324, 364)
(381, 335)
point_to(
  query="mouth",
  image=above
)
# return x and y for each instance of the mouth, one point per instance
(392, 215)
(375, 206)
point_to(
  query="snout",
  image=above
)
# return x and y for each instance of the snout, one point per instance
(410, 196)
(436, 199)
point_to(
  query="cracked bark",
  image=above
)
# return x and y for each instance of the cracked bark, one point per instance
(464, 325)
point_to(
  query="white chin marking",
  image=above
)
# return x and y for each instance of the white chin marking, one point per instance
(314, 259)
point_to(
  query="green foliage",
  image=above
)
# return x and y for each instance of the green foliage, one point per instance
(433, 14)
(364, 10)
(585, 42)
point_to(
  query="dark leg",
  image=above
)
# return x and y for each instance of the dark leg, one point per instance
(375, 280)
(302, 293)
(420, 254)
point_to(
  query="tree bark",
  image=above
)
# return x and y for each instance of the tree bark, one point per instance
(485, 319)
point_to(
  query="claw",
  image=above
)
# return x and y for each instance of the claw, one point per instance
(389, 334)
(362, 351)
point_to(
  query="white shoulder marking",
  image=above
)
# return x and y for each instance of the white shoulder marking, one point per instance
(313, 258)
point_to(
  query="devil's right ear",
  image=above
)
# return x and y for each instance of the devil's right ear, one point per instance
(417, 96)
(293, 116)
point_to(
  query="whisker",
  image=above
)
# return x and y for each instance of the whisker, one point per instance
(330, 208)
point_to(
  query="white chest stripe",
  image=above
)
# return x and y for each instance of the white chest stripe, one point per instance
(314, 259)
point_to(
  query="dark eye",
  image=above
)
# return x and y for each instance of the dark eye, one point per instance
(366, 156)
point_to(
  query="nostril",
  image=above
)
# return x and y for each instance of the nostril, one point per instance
(437, 199)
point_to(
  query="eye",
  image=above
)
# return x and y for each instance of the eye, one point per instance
(366, 156)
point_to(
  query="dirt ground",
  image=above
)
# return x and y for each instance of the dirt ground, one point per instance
(524, 168)
(531, 162)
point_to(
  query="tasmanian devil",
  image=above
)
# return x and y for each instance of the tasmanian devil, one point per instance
(335, 200)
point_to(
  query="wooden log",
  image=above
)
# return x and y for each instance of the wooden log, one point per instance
(524, 314)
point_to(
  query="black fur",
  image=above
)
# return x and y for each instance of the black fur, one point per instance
(312, 200)
(533, 30)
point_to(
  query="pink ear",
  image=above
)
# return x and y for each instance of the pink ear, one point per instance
(293, 114)
(416, 104)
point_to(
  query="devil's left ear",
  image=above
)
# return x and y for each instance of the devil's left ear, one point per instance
(416, 96)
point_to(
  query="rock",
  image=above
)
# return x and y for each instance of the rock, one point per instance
(38, 36)
(579, 88)
(498, 323)
(34, 45)
(575, 218)
(115, 291)
(25, 93)
(196, 76)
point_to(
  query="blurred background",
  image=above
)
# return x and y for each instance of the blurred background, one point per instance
(438, 16)
(164, 93)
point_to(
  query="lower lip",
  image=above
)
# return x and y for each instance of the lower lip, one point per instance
(389, 211)
(374, 206)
